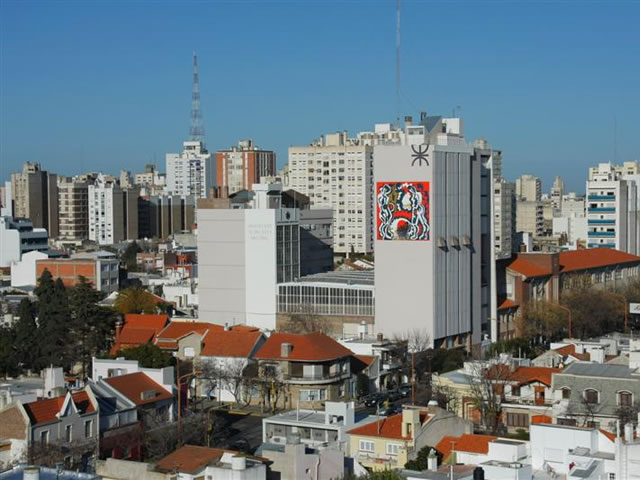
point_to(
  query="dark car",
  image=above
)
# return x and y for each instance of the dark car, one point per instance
(374, 399)
(405, 390)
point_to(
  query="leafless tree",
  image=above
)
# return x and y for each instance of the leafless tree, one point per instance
(306, 321)
(74, 455)
(271, 387)
(446, 398)
(487, 382)
(162, 437)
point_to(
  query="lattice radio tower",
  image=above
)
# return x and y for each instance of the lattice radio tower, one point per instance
(196, 132)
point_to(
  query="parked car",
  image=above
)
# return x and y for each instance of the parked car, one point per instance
(374, 399)
(405, 390)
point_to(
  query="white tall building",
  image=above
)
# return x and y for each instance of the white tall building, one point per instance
(337, 172)
(433, 245)
(613, 205)
(243, 253)
(17, 237)
(191, 172)
(504, 218)
(106, 222)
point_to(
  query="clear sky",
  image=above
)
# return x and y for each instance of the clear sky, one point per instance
(97, 85)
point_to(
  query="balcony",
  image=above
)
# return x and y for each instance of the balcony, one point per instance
(601, 234)
(601, 221)
(602, 209)
(316, 379)
(601, 245)
(373, 459)
(610, 198)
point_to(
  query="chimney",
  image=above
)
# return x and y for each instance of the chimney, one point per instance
(285, 350)
(362, 330)
(119, 324)
(432, 461)
(239, 462)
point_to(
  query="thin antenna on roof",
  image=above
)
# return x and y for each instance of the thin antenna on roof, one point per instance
(398, 5)
(615, 138)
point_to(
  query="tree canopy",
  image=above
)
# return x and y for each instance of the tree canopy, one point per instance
(148, 356)
(136, 300)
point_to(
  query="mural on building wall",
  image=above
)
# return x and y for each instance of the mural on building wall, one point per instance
(403, 211)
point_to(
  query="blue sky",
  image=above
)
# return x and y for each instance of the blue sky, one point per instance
(107, 85)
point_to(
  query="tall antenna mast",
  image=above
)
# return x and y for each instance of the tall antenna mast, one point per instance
(398, 5)
(196, 132)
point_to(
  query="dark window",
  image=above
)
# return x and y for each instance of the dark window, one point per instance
(566, 393)
(517, 420)
(624, 399)
(591, 396)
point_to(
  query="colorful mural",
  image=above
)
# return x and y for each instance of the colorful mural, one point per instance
(403, 211)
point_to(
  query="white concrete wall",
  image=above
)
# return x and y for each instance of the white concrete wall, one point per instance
(24, 272)
(9, 244)
(551, 444)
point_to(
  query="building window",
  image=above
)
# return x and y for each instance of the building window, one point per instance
(44, 438)
(366, 446)
(87, 428)
(393, 448)
(517, 420)
(591, 396)
(67, 433)
(515, 391)
(625, 399)
(566, 393)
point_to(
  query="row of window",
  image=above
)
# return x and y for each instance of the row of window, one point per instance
(592, 396)
(68, 433)
(369, 446)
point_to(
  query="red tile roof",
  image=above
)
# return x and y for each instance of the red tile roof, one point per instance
(524, 375)
(138, 329)
(141, 320)
(230, 343)
(193, 459)
(46, 410)
(310, 347)
(570, 350)
(366, 359)
(389, 427)
(176, 330)
(537, 419)
(609, 435)
(469, 443)
(506, 304)
(575, 260)
(134, 385)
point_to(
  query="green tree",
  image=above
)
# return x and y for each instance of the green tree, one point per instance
(135, 300)
(148, 355)
(9, 366)
(53, 323)
(421, 461)
(92, 325)
(362, 384)
(129, 256)
(25, 330)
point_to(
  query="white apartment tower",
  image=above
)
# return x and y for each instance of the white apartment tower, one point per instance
(191, 172)
(337, 172)
(613, 205)
(105, 199)
(529, 187)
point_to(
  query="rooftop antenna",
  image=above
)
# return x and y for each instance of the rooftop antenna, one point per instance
(196, 132)
(398, 5)
(615, 139)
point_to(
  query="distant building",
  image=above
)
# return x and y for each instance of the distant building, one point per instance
(504, 218)
(240, 167)
(191, 172)
(161, 216)
(557, 193)
(35, 196)
(530, 217)
(337, 172)
(529, 188)
(17, 237)
(126, 181)
(73, 207)
(99, 268)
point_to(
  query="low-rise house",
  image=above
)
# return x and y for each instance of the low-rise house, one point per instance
(390, 442)
(592, 394)
(299, 462)
(64, 427)
(120, 429)
(137, 330)
(100, 268)
(472, 449)
(194, 463)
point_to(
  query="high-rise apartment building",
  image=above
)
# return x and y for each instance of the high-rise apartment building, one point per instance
(627, 168)
(161, 216)
(613, 205)
(191, 172)
(151, 181)
(432, 237)
(530, 217)
(35, 196)
(73, 207)
(529, 188)
(126, 180)
(557, 193)
(106, 222)
(337, 172)
(504, 218)
(240, 167)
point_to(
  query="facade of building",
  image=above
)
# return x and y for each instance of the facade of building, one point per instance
(530, 217)
(337, 172)
(73, 208)
(99, 268)
(191, 172)
(106, 222)
(529, 188)
(240, 167)
(433, 246)
(242, 255)
(17, 237)
(613, 205)
(316, 241)
(161, 216)
(35, 196)
(504, 218)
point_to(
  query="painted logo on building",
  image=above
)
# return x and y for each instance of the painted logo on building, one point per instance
(420, 155)
(403, 211)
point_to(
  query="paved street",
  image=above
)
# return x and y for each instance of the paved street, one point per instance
(239, 428)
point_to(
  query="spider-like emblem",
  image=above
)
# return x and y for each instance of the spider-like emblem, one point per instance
(419, 154)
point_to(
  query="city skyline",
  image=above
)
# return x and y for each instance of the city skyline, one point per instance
(540, 104)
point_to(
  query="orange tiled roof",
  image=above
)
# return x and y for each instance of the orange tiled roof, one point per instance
(389, 427)
(192, 459)
(134, 385)
(609, 435)
(537, 419)
(470, 443)
(575, 260)
(311, 347)
(141, 320)
(570, 350)
(366, 359)
(524, 375)
(506, 304)
(176, 330)
(230, 343)
(45, 410)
